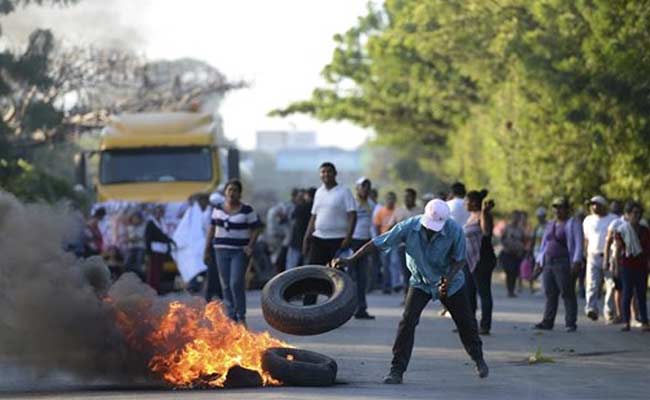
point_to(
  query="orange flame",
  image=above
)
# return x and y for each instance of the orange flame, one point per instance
(197, 344)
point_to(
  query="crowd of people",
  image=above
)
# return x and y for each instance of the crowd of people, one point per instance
(447, 250)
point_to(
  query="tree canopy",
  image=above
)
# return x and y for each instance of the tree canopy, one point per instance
(530, 99)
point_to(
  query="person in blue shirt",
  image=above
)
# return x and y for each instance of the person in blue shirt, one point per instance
(435, 253)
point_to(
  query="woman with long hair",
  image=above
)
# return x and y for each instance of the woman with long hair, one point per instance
(480, 255)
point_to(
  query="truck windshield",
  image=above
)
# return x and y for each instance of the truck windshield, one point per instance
(159, 164)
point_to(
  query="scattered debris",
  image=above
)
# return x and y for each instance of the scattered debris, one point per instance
(539, 358)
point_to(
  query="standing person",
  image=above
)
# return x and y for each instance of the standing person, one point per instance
(481, 259)
(634, 241)
(333, 218)
(275, 233)
(157, 245)
(362, 233)
(233, 233)
(613, 307)
(301, 215)
(536, 240)
(213, 285)
(93, 239)
(595, 228)
(514, 249)
(457, 203)
(332, 222)
(435, 248)
(135, 233)
(384, 220)
(409, 210)
(560, 259)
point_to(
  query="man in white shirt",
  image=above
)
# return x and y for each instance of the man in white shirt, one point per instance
(595, 233)
(456, 204)
(333, 218)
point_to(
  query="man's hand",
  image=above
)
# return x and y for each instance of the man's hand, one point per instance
(443, 287)
(340, 263)
(345, 244)
(305, 246)
(537, 271)
(207, 257)
(488, 205)
(248, 250)
(576, 267)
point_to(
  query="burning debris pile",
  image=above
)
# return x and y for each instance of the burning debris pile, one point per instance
(187, 342)
(59, 313)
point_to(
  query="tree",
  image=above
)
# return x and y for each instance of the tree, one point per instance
(529, 98)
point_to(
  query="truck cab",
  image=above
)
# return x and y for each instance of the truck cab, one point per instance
(158, 158)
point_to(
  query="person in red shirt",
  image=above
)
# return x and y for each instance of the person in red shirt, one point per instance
(634, 240)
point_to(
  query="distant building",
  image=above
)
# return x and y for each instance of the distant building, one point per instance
(274, 141)
(308, 160)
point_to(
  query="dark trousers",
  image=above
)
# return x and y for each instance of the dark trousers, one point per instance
(135, 261)
(510, 264)
(406, 274)
(359, 273)
(560, 280)
(213, 287)
(479, 283)
(461, 312)
(321, 252)
(635, 281)
(154, 269)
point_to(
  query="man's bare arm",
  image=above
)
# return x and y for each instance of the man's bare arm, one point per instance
(366, 249)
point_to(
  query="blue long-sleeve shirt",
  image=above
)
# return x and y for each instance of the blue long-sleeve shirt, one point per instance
(428, 260)
(574, 241)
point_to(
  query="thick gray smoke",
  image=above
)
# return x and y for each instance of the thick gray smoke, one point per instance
(52, 317)
(102, 23)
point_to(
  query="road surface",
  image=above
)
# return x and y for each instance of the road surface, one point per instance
(596, 362)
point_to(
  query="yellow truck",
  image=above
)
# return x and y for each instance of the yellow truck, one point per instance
(160, 158)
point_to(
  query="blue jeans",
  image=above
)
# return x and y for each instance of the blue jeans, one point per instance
(359, 273)
(392, 269)
(294, 257)
(232, 268)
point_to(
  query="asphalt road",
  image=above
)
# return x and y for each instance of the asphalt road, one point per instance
(596, 362)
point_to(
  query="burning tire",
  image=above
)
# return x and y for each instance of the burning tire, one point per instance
(302, 282)
(295, 367)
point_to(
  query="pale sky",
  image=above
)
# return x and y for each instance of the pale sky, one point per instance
(280, 46)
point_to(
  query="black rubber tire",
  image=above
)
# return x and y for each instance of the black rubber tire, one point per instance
(307, 368)
(311, 319)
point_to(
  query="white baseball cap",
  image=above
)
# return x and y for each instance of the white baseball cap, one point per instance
(361, 180)
(436, 213)
(598, 200)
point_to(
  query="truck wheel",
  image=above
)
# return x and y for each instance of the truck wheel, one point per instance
(280, 294)
(294, 367)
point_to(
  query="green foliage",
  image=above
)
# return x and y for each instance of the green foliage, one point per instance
(33, 184)
(28, 69)
(528, 98)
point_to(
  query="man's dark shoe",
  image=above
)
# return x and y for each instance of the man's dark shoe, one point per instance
(543, 327)
(393, 378)
(484, 331)
(571, 328)
(482, 369)
(592, 315)
(363, 315)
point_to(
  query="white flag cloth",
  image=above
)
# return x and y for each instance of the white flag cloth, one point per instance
(190, 241)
